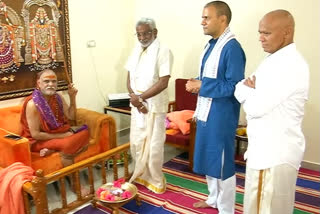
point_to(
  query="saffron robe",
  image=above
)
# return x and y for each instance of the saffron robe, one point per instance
(216, 136)
(68, 145)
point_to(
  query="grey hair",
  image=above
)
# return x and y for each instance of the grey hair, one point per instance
(147, 21)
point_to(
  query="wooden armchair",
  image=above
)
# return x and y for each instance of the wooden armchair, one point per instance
(102, 138)
(183, 101)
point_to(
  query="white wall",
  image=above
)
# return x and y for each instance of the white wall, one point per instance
(179, 27)
(99, 71)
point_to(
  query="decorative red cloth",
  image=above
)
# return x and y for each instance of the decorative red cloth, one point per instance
(11, 180)
(68, 145)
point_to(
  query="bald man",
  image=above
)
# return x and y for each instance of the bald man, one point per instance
(273, 98)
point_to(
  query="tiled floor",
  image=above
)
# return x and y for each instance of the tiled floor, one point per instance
(54, 195)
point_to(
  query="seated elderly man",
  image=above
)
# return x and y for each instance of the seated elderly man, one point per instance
(45, 120)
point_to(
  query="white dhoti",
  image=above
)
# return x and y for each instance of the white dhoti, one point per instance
(146, 145)
(270, 191)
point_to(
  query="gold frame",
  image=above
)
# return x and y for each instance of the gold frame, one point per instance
(25, 79)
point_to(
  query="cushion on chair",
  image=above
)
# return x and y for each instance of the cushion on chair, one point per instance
(13, 150)
(48, 164)
(180, 118)
(172, 125)
(10, 119)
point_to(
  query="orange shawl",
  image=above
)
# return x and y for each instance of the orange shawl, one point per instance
(11, 180)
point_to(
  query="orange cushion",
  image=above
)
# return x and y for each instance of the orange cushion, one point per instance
(13, 151)
(180, 118)
(10, 119)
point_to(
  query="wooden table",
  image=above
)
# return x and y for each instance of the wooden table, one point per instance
(121, 110)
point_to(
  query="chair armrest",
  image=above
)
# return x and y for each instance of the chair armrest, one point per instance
(172, 106)
(13, 150)
(192, 139)
(102, 127)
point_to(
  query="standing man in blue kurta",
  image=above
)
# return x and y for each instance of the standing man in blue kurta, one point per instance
(217, 113)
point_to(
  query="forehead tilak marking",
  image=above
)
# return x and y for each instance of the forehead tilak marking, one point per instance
(50, 76)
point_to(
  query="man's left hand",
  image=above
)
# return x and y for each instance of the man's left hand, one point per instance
(134, 100)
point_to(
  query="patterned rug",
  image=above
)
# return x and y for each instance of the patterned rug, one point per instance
(184, 188)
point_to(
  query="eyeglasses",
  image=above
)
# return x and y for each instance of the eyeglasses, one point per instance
(144, 34)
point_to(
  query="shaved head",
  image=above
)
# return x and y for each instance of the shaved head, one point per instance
(276, 30)
(282, 18)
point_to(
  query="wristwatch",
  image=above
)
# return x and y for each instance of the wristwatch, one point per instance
(141, 107)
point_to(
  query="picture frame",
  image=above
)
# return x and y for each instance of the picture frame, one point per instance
(34, 35)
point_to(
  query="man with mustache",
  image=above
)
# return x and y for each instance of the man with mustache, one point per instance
(149, 69)
(45, 120)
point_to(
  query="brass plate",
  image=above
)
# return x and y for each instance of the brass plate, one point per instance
(126, 186)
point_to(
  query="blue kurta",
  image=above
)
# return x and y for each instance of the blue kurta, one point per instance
(215, 137)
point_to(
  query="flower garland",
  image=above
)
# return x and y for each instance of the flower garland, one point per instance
(45, 110)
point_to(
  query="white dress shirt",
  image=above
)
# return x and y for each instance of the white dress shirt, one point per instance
(275, 109)
(146, 68)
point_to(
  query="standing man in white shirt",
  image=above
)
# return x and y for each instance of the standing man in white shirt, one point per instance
(273, 98)
(149, 69)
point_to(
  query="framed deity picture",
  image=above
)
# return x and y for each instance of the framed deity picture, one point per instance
(34, 35)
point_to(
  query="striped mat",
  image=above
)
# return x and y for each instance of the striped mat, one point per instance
(185, 188)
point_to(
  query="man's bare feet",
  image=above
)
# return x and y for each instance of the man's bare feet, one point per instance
(84, 191)
(45, 151)
(201, 204)
(66, 161)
